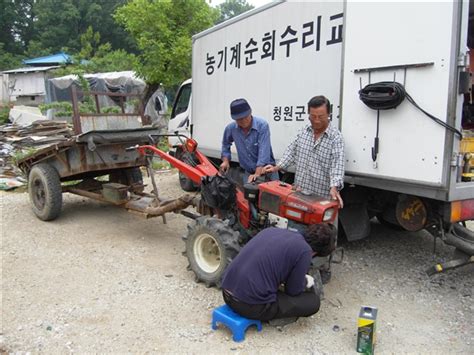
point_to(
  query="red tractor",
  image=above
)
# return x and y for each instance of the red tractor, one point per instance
(229, 214)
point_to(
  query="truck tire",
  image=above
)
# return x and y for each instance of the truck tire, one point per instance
(210, 247)
(385, 223)
(44, 188)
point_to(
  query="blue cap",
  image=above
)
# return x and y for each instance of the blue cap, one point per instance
(239, 109)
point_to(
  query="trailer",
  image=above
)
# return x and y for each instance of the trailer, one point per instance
(411, 166)
(95, 163)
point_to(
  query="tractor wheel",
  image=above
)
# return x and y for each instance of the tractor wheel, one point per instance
(186, 184)
(210, 247)
(45, 192)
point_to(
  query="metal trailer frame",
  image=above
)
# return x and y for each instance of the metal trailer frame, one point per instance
(93, 153)
(96, 153)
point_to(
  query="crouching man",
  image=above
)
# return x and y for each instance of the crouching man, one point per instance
(274, 257)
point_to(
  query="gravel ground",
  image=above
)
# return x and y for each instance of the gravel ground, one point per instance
(99, 279)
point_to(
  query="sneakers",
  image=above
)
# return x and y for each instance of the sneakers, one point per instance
(325, 276)
(318, 285)
(280, 322)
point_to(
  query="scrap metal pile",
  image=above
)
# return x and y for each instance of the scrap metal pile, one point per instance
(19, 141)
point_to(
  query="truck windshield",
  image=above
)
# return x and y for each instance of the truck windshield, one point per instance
(182, 100)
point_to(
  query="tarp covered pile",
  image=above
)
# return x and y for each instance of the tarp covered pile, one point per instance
(124, 82)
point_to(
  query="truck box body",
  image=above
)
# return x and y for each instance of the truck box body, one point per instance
(282, 54)
(278, 82)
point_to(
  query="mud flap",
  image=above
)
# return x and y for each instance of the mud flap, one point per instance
(355, 221)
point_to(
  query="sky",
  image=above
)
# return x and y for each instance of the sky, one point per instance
(256, 3)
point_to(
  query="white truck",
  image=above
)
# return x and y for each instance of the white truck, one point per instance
(280, 55)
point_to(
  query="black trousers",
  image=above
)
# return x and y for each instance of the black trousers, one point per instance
(304, 305)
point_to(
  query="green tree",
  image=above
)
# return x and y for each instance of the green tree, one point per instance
(60, 24)
(15, 32)
(163, 31)
(25, 26)
(90, 42)
(9, 60)
(7, 21)
(33, 28)
(36, 49)
(232, 8)
(105, 60)
(110, 31)
(15, 25)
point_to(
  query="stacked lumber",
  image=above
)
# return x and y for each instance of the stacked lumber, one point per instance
(18, 141)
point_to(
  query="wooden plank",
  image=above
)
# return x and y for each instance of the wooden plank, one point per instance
(76, 119)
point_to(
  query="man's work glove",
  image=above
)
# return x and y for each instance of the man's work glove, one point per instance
(309, 281)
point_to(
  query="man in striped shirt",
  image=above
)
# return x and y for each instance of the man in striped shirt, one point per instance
(318, 154)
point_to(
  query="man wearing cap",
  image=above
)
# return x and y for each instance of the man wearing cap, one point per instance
(251, 135)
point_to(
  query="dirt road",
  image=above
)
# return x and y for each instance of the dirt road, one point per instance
(99, 279)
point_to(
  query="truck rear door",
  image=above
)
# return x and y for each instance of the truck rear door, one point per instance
(414, 44)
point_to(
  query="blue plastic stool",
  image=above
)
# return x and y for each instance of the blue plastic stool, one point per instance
(236, 323)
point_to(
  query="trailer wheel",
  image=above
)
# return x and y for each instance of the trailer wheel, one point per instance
(210, 247)
(135, 175)
(128, 176)
(45, 192)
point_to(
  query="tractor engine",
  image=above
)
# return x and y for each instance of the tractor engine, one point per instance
(280, 204)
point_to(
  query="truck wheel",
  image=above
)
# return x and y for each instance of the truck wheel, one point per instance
(210, 247)
(388, 224)
(44, 188)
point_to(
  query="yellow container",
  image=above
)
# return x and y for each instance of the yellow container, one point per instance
(366, 330)
(467, 145)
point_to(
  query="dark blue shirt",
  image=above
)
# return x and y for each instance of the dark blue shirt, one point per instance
(254, 148)
(271, 258)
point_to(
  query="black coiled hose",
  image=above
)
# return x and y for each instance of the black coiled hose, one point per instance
(382, 96)
(387, 95)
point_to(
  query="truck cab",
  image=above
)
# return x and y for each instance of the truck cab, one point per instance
(181, 118)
